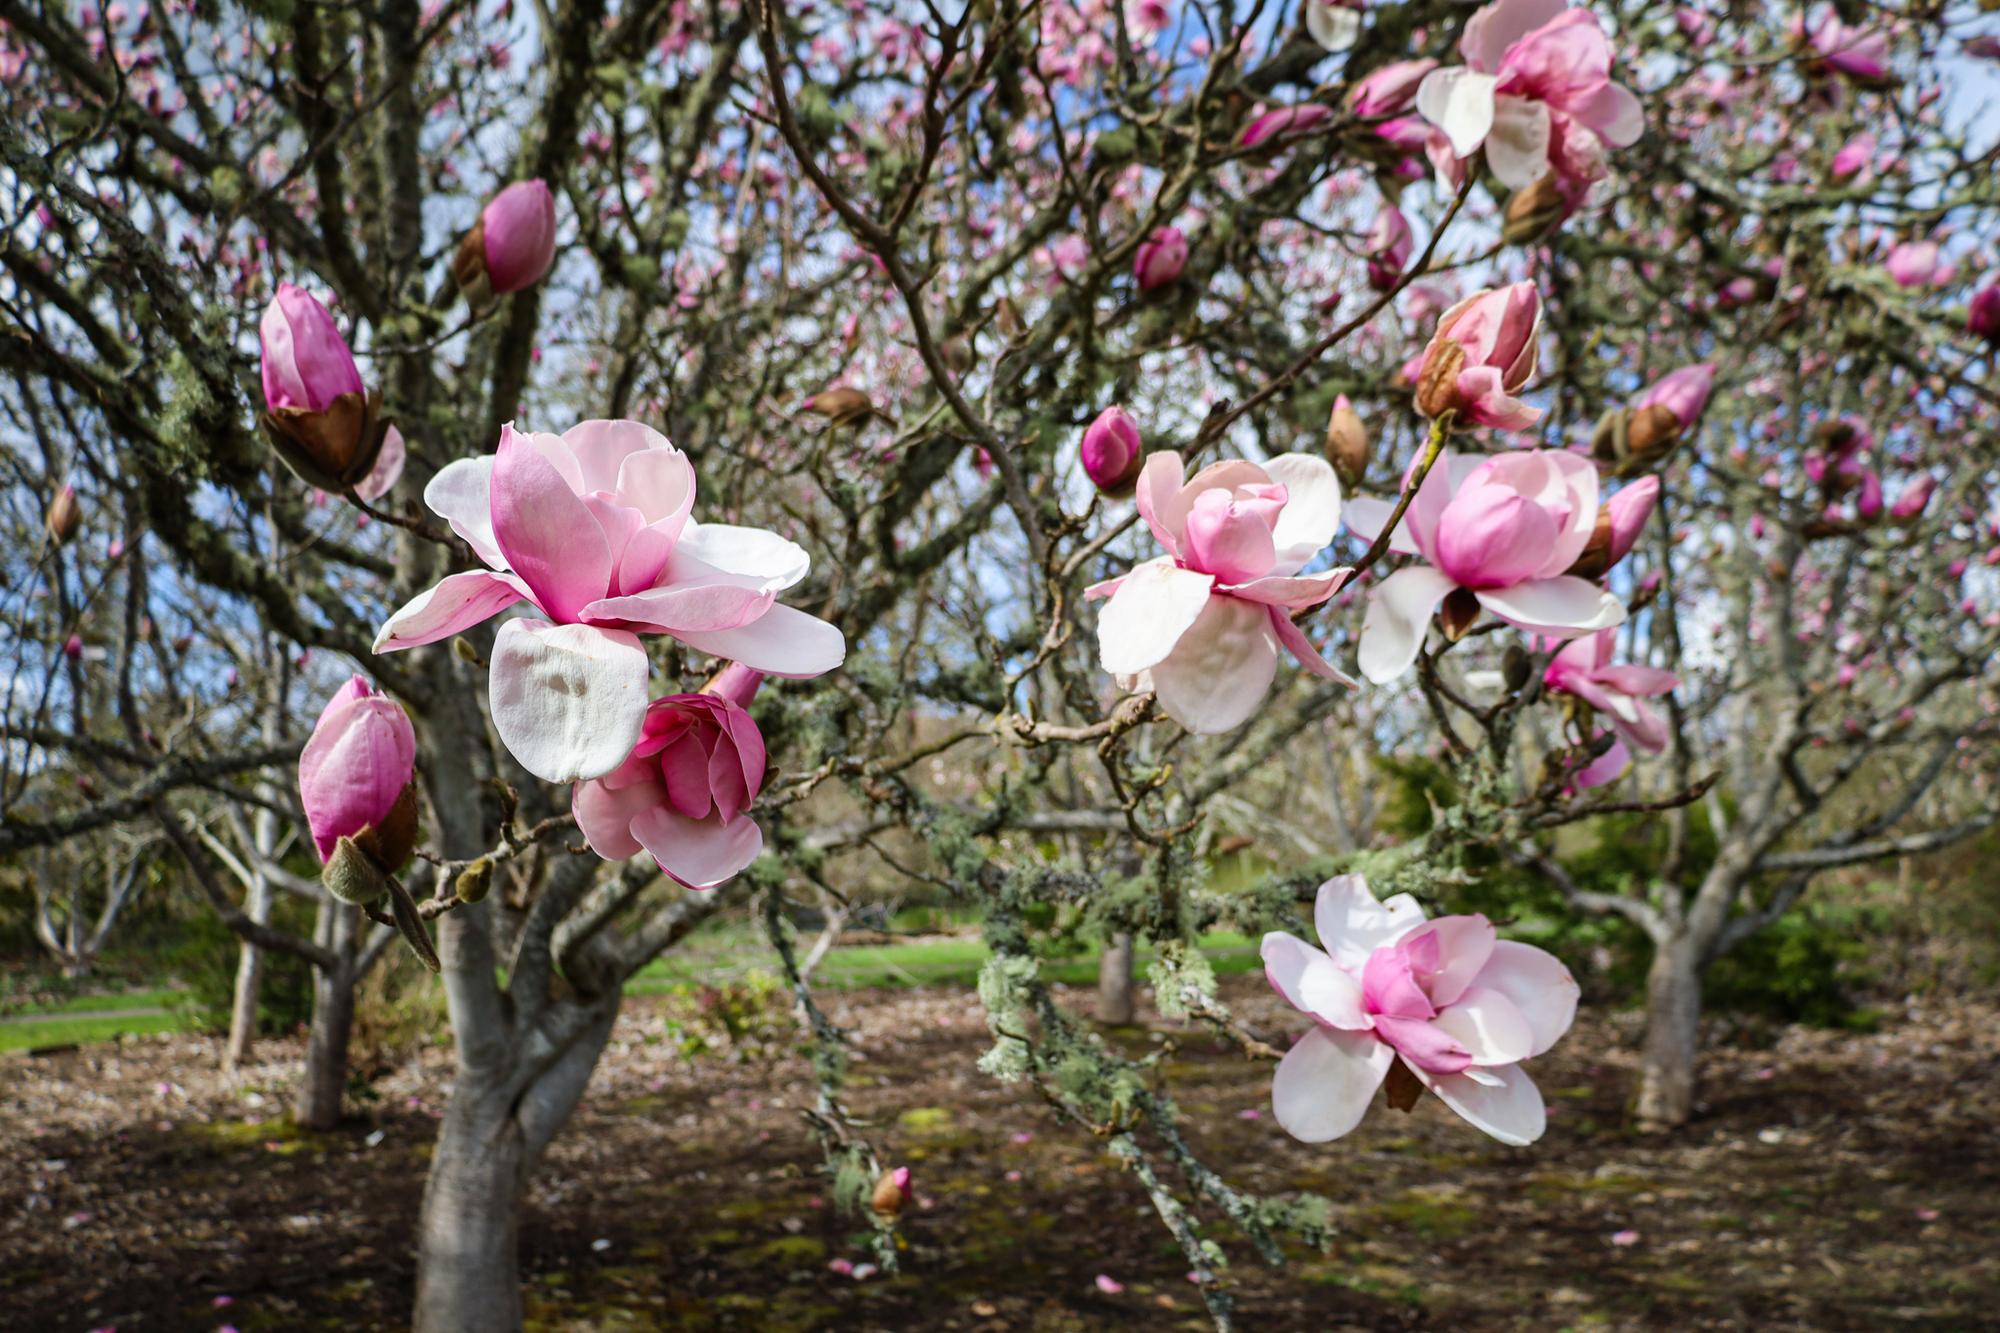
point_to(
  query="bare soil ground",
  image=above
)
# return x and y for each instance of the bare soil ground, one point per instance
(1831, 1182)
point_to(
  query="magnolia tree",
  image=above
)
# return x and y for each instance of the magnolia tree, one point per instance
(692, 457)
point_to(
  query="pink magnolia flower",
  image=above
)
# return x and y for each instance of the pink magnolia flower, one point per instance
(1501, 530)
(1112, 452)
(1583, 668)
(1284, 121)
(305, 361)
(1683, 392)
(684, 793)
(1160, 258)
(1457, 1005)
(1982, 316)
(1606, 768)
(1498, 331)
(1536, 90)
(361, 755)
(1915, 264)
(1858, 52)
(1147, 17)
(519, 228)
(1334, 24)
(1390, 90)
(1201, 626)
(1389, 248)
(592, 528)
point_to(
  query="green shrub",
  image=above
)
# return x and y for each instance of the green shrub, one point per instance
(204, 959)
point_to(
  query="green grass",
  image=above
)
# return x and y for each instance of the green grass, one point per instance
(83, 1029)
(735, 950)
(164, 998)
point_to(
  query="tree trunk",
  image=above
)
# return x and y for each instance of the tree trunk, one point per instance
(249, 978)
(468, 1266)
(332, 1023)
(1673, 1018)
(1115, 1000)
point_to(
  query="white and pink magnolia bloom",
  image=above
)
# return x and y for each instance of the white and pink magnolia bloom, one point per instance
(1498, 333)
(1583, 667)
(1917, 264)
(1858, 51)
(1460, 1007)
(1390, 90)
(1201, 626)
(1501, 530)
(592, 528)
(1334, 24)
(684, 793)
(1536, 91)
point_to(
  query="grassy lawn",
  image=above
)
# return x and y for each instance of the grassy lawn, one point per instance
(84, 1028)
(733, 950)
(728, 950)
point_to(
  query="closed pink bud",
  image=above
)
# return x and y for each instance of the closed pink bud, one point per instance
(1483, 353)
(520, 235)
(736, 683)
(306, 363)
(1284, 120)
(355, 767)
(1916, 497)
(1112, 451)
(1629, 510)
(1389, 246)
(1853, 157)
(1390, 90)
(1868, 504)
(1684, 392)
(1160, 259)
(73, 647)
(1982, 317)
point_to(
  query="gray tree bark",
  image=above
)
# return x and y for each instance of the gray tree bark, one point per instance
(1116, 1001)
(1673, 1021)
(325, 1077)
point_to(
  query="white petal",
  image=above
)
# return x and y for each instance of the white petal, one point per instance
(781, 642)
(1399, 613)
(753, 552)
(1502, 1102)
(1147, 616)
(1220, 671)
(1458, 101)
(1517, 143)
(1365, 515)
(1489, 1025)
(462, 495)
(1312, 509)
(1311, 982)
(1538, 984)
(1325, 1082)
(1562, 607)
(567, 700)
(455, 603)
(1352, 925)
(1334, 27)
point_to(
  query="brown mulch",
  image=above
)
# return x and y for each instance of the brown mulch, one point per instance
(1831, 1182)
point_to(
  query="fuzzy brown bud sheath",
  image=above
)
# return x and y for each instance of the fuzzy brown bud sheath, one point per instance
(65, 515)
(1651, 432)
(1437, 386)
(840, 406)
(1533, 212)
(1346, 441)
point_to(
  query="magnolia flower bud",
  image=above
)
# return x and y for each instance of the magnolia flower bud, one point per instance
(1346, 441)
(841, 406)
(73, 647)
(1982, 317)
(512, 244)
(1534, 211)
(357, 777)
(1389, 247)
(1651, 431)
(1160, 258)
(1515, 667)
(474, 881)
(1112, 452)
(892, 1191)
(1457, 613)
(1482, 354)
(1437, 380)
(65, 515)
(325, 426)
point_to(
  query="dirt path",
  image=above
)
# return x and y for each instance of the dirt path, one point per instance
(1835, 1182)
